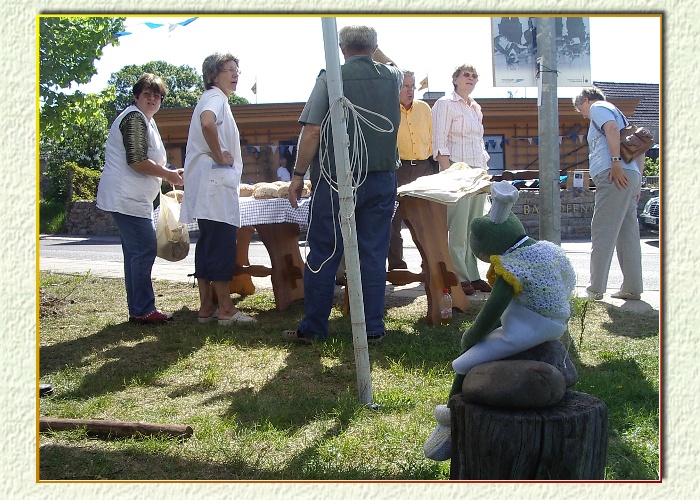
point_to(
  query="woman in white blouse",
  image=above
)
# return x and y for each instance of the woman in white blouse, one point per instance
(458, 136)
(213, 167)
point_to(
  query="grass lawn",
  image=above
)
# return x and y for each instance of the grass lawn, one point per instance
(263, 409)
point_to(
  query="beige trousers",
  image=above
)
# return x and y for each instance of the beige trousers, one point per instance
(615, 227)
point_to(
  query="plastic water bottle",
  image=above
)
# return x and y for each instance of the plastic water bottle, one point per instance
(446, 307)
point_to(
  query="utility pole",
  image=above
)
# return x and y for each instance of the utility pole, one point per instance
(548, 131)
(341, 143)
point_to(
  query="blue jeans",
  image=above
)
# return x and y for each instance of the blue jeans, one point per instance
(139, 248)
(373, 212)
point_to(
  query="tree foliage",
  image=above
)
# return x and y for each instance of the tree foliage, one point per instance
(73, 127)
(651, 167)
(184, 84)
(68, 48)
(79, 141)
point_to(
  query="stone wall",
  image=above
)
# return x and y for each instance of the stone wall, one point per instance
(83, 217)
(576, 211)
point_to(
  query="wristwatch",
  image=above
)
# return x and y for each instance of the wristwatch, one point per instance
(299, 174)
(615, 158)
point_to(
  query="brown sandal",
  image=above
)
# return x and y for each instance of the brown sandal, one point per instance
(295, 337)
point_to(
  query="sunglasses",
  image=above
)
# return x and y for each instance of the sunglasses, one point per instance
(468, 74)
(155, 95)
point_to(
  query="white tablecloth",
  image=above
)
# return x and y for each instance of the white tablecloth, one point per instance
(270, 211)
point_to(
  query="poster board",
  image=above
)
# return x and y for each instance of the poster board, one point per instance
(515, 54)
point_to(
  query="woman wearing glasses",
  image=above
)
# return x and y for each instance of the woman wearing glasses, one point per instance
(135, 166)
(458, 136)
(213, 167)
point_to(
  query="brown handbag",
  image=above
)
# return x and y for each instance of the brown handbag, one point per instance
(634, 141)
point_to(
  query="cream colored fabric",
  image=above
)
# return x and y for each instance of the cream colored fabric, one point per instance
(450, 185)
(176, 194)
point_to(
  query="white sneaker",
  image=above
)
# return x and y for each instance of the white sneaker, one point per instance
(626, 295)
(442, 414)
(594, 295)
(439, 445)
(239, 317)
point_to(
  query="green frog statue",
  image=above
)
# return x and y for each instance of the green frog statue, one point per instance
(529, 305)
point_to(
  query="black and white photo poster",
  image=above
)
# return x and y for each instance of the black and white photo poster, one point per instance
(515, 51)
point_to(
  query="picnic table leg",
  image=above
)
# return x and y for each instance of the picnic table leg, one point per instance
(287, 276)
(427, 222)
(242, 283)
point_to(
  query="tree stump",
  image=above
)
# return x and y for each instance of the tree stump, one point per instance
(565, 441)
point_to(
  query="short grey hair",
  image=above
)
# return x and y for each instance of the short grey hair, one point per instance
(590, 93)
(213, 65)
(357, 37)
(458, 71)
(406, 73)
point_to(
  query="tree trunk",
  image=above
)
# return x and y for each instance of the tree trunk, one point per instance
(565, 441)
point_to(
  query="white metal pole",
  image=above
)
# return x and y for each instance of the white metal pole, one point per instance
(341, 143)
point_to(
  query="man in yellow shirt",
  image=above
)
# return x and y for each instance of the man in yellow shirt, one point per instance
(415, 138)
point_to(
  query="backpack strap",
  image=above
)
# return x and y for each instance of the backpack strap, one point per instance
(624, 118)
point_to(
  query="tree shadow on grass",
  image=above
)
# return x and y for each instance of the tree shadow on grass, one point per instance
(632, 319)
(70, 462)
(633, 403)
(131, 352)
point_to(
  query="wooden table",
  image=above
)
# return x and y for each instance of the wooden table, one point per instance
(427, 222)
(278, 226)
(287, 268)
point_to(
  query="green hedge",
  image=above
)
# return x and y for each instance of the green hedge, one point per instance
(69, 178)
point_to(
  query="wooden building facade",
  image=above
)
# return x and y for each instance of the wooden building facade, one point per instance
(269, 131)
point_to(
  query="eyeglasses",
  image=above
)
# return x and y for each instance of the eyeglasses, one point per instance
(232, 71)
(155, 95)
(473, 75)
(410, 87)
(578, 102)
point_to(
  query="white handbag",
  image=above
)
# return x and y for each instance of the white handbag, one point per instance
(172, 237)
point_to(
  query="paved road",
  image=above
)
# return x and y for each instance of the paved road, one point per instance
(102, 255)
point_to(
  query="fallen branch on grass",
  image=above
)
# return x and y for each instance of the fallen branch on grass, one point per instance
(107, 428)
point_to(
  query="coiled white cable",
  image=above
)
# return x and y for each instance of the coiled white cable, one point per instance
(356, 173)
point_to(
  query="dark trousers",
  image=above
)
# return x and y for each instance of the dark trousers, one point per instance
(410, 171)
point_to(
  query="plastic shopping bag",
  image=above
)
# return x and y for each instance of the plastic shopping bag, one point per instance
(172, 238)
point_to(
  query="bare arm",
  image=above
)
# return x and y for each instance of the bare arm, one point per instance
(443, 161)
(309, 142)
(612, 136)
(149, 167)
